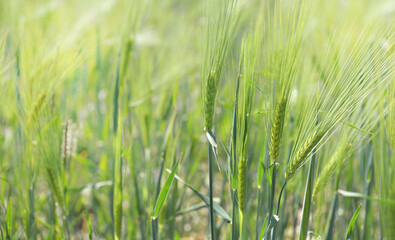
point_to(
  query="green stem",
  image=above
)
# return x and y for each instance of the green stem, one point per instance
(331, 223)
(258, 214)
(242, 230)
(154, 228)
(278, 208)
(271, 201)
(279, 198)
(234, 209)
(210, 176)
(66, 224)
(307, 201)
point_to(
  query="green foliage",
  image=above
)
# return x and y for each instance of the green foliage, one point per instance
(351, 225)
(99, 98)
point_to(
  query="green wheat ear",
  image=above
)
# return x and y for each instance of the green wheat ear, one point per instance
(330, 168)
(277, 129)
(209, 102)
(242, 183)
(302, 154)
(54, 183)
(36, 110)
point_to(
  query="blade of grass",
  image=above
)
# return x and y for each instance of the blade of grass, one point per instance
(263, 227)
(232, 161)
(88, 219)
(9, 219)
(359, 195)
(117, 183)
(351, 225)
(165, 191)
(161, 200)
(192, 208)
(163, 152)
(217, 208)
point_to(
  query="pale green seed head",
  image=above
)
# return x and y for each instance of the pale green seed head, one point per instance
(209, 102)
(277, 129)
(303, 153)
(241, 183)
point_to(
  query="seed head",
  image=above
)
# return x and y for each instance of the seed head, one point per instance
(277, 129)
(303, 153)
(242, 182)
(209, 102)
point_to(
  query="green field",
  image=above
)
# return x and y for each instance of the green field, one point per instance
(197, 119)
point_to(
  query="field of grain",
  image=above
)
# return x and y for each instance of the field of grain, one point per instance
(197, 119)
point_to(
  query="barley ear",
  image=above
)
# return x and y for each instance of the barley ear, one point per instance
(330, 168)
(242, 183)
(209, 102)
(66, 146)
(277, 129)
(303, 153)
(36, 110)
(54, 184)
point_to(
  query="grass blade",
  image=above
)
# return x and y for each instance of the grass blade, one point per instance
(359, 195)
(217, 208)
(192, 208)
(351, 225)
(160, 201)
(117, 185)
(9, 219)
(165, 191)
(88, 218)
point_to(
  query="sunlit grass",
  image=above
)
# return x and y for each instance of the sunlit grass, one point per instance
(168, 119)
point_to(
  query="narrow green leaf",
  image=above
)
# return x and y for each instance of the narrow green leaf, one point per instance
(359, 195)
(351, 225)
(226, 150)
(192, 208)
(261, 167)
(217, 208)
(175, 92)
(165, 191)
(126, 56)
(263, 227)
(88, 218)
(116, 95)
(117, 182)
(169, 128)
(90, 187)
(9, 219)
